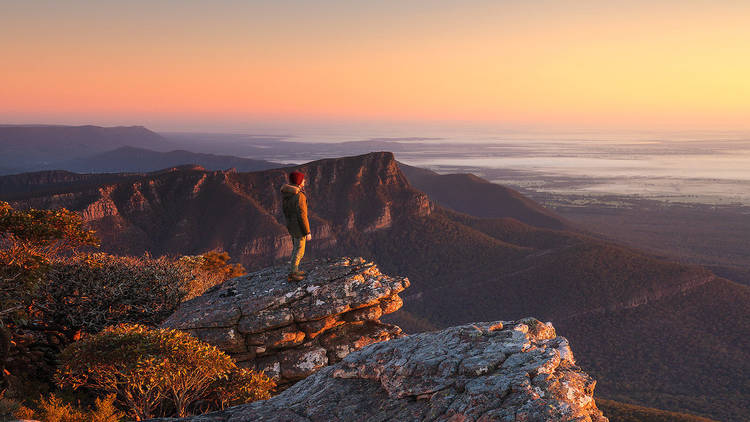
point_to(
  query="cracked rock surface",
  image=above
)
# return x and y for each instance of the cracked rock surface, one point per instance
(482, 372)
(290, 330)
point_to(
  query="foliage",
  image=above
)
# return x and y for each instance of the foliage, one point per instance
(54, 409)
(23, 412)
(88, 293)
(240, 386)
(105, 410)
(29, 240)
(152, 369)
(209, 269)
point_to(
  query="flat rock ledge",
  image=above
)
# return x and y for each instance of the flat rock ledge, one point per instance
(482, 372)
(290, 330)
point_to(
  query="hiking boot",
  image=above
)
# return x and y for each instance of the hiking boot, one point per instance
(294, 277)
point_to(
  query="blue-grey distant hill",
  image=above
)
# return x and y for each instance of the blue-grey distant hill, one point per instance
(38, 147)
(131, 159)
(95, 149)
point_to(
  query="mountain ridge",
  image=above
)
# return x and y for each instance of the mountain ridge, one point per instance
(142, 160)
(35, 147)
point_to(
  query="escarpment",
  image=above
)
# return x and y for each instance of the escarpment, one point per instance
(169, 211)
(290, 330)
(491, 371)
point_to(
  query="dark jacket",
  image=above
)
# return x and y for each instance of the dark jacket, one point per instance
(294, 204)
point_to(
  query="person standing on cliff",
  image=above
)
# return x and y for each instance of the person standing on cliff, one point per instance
(294, 205)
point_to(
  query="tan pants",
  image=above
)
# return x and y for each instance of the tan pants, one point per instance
(297, 252)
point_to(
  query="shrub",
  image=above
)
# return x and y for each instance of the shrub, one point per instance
(151, 369)
(23, 412)
(208, 270)
(105, 410)
(88, 293)
(54, 409)
(240, 386)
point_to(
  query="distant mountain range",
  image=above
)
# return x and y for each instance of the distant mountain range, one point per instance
(94, 149)
(34, 147)
(651, 331)
(133, 159)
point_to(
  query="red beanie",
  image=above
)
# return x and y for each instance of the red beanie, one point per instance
(296, 177)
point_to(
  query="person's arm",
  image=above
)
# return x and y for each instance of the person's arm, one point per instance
(303, 222)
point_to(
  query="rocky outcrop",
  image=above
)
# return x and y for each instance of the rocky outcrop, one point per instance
(493, 371)
(290, 330)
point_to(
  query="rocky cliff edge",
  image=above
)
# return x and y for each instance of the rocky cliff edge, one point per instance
(492, 371)
(290, 330)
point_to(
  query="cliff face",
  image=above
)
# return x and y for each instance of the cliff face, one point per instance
(190, 210)
(492, 371)
(290, 330)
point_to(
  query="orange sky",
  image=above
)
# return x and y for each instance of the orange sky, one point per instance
(190, 64)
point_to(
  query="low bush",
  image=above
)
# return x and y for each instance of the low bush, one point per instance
(208, 270)
(54, 409)
(88, 293)
(158, 371)
(240, 386)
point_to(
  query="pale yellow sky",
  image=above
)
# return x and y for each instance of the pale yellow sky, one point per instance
(568, 64)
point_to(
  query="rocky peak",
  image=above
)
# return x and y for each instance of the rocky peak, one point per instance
(492, 371)
(290, 330)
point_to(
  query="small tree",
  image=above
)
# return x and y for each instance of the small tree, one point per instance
(145, 368)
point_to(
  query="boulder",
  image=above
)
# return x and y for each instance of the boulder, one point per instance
(291, 330)
(482, 372)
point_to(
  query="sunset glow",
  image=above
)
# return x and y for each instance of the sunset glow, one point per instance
(560, 63)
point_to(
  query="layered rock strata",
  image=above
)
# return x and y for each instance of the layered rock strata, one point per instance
(290, 330)
(483, 372)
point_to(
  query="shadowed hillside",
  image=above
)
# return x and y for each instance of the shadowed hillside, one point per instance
(611, 300)
(473, 195)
